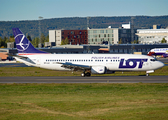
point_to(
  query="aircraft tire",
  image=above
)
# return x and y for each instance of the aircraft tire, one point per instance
(82, 74)
(88, 74)
(147, 74)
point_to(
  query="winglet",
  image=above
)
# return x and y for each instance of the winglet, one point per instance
(23, 44)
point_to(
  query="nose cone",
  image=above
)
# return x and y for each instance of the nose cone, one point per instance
(160, 64)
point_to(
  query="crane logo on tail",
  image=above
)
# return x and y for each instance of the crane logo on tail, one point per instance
(23, 44)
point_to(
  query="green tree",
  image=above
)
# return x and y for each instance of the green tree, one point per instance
(29, 38)
(120, 41)
(164, 40)
(1, 42)
(65, 42)
(47, 39)
(11, 39)
(42, 38)
(35, 42)
(5, 42)
(135, 42)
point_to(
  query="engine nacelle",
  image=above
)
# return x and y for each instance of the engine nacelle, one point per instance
(98, 69)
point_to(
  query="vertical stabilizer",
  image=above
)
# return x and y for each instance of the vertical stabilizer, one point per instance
(23, 44)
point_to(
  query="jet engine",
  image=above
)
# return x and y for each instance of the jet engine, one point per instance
(98, 70)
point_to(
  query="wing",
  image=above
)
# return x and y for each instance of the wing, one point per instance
(23, 59)
(75, 67)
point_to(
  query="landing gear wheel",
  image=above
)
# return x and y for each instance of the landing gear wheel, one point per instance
(83, 74)
(147, 74)
(88, 74)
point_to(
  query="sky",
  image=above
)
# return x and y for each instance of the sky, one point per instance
(17, 10)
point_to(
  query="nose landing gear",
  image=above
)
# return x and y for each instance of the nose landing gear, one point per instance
(147, 74)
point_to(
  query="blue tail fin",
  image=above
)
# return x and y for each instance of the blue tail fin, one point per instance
(23, 44)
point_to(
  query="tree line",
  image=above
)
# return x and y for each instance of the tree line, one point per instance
(5, 40)
(36, 40)
(31, 27)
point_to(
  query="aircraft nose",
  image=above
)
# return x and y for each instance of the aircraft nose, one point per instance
(161, 64)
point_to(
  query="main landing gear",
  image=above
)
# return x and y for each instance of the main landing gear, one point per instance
(88, 74)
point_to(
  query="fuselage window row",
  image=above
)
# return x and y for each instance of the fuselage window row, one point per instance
(60, 60)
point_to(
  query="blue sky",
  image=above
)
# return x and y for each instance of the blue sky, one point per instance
(15, 10)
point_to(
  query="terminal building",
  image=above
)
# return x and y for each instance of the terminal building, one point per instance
(152, 36)
(110, 36)
(74, 36)
(93, 36)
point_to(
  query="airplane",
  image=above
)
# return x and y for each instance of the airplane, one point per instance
(88, 63)
(158, 51)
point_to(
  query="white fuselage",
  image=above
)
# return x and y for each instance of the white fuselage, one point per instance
(112, 62)
(159, 50)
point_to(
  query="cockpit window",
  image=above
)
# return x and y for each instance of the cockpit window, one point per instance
(153, 60)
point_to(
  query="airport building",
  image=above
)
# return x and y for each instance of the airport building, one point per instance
(74, 36)
(109, 36)
(152, 36)
(94, 36)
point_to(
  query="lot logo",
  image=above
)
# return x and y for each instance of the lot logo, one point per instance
(132, 63)
(23, 44)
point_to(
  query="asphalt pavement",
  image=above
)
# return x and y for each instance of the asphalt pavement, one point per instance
(92, 79)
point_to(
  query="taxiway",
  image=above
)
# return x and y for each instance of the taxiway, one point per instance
(92, 79)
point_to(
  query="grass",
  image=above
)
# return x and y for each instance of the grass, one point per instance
(84, 101)
(34, 71)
